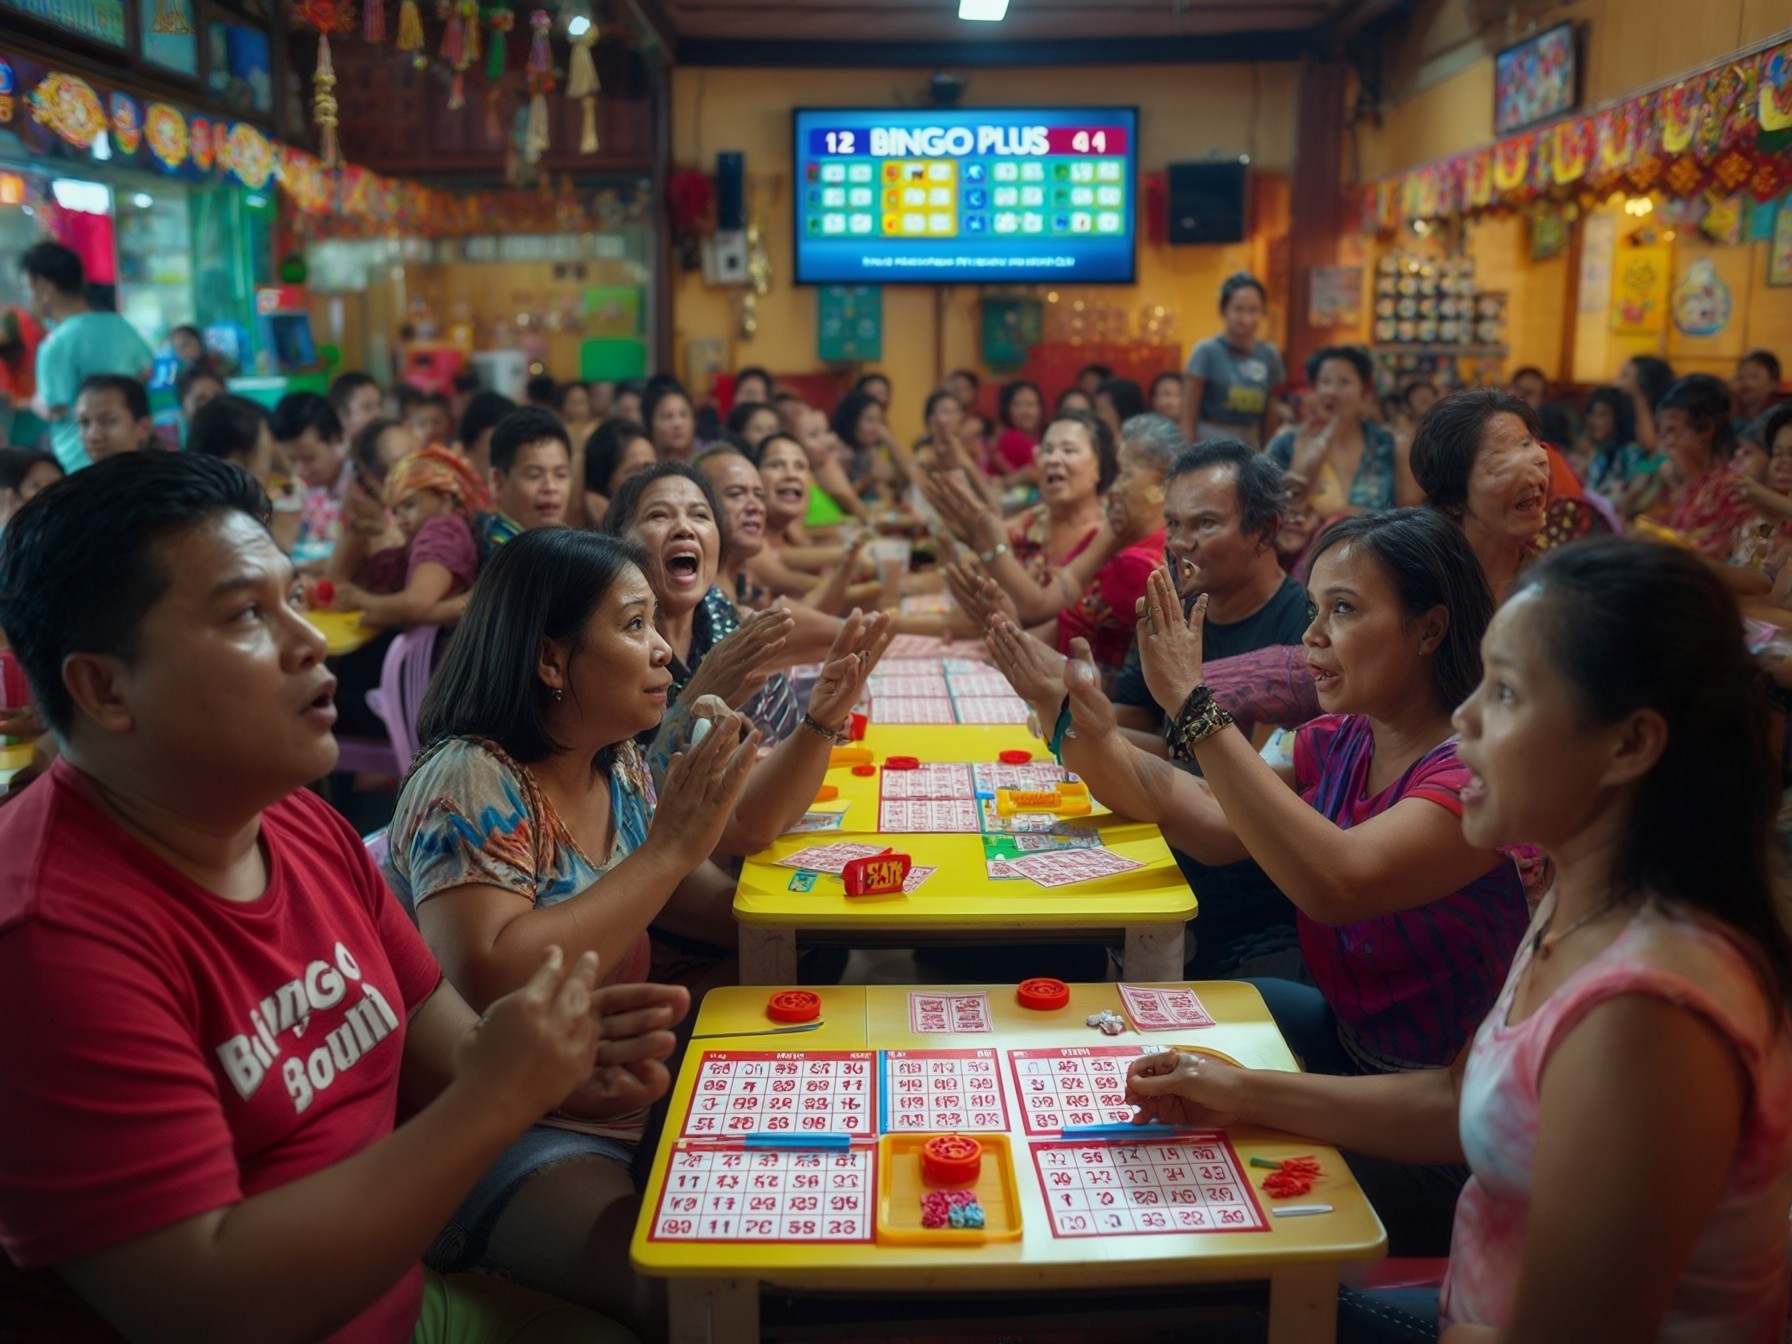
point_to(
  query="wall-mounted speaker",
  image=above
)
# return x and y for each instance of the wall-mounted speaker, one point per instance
(1208, 202)
(731, 192)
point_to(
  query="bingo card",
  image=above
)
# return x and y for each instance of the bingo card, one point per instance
(911, 709)
(1187, 1183)
(934, 816)
(932, 779)
(789, 1092)
(987, 709)
(932, 1090)
(1072, 1085)
(929, 1013)
(719, 1193)
(1164, 1009)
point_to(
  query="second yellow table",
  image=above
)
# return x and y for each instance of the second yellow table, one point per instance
(1149, 908)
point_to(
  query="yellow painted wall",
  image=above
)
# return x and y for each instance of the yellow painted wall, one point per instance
(1185, 112)
(1440, 72)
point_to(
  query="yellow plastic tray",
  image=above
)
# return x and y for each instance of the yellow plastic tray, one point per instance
(899, 1191)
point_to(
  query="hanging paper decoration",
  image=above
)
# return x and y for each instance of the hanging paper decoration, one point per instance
(469, 18)
(373, 21)
(581, 83)
(541, 79)
(410, 33)
(171, 19)
(1776, 89)
(453, 44)
(502, 20)
(327, 16)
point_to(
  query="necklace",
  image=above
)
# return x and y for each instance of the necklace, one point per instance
(1545, 942)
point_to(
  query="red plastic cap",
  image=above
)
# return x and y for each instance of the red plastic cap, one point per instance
(951, 1159)
(864, 770)
(902, 763)
(793, 1005)
(1015, 756)
(326, 591)
(856, 725)
(1043, 994)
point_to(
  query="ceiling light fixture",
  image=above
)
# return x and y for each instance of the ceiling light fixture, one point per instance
(983, 11)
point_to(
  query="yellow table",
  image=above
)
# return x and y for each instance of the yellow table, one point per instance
(1149, 907)
(714, 1287)
(343, 631)
(12, 760)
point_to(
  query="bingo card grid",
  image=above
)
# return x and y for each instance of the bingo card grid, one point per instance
(716, 1193)
(924, 1091)
(1189, 1183)
(1071, 1085)
(809, 1092)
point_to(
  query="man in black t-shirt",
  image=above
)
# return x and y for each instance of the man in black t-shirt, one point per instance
(1223, 505)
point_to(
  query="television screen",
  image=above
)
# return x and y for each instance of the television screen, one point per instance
(966, 196)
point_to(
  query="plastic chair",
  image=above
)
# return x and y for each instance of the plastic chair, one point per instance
(404, 677)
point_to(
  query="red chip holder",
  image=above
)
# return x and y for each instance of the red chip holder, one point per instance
(902, 762)
(793, 1005)
(326, 592)
(1043, 994)
(856, 725)
(951, 1159)
(1014, 756)
(876, 875)
(864, 771)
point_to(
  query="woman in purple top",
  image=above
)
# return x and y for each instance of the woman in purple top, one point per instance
(1407, 927)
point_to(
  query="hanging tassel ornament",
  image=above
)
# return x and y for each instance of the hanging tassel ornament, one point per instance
(541, 79)
(323, 103)
(453, 37)
(581, 79)
(373, 21)
(457, 92)
(410, 33)
(469, 18)
(497, 54)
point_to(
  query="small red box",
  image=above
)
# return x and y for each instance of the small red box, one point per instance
(878, 875)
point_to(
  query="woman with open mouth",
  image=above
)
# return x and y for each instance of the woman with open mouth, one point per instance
(1406, 926)
(817, 576)
(1706, 504)
(1621, 726)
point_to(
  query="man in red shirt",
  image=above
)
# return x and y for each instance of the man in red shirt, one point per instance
(214, 1007)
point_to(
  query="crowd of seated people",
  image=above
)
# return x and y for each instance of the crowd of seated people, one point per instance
(1477, 794)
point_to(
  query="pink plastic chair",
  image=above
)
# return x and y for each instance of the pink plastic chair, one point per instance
(404, 677)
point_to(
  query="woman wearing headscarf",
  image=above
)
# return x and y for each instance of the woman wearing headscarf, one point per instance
(431, 494)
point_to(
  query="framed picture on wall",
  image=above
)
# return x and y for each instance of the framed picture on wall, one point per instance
(1779, 252)
(1536, 80)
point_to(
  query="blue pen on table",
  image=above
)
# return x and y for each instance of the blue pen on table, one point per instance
(765, 1139)
(1075, 1132)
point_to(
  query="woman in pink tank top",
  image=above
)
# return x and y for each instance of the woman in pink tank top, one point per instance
(1626, 1108)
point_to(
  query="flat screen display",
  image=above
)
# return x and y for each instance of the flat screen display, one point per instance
(966, 196)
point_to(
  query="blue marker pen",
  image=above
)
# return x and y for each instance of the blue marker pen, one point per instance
(763, 1139)
(1076, 1132)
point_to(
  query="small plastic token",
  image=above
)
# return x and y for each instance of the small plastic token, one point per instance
(1016, 757)
(793, 1005)
(951, 1159)
(1042, 994)
(864, 770)
(326, 592)
(902, 763)
(827, 793)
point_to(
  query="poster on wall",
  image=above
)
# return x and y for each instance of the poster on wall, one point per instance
(1640, 290)
(1779, 253)
(1535, 80)
(1335, 296)
(1598, 247)
(1701, 300)
(850, 323)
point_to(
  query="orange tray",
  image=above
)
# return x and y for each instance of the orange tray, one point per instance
(899, 1191)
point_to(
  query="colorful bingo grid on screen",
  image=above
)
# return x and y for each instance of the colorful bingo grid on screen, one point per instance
(1072, 1085)
(717, 1193)
(792, 1092)
(1191, 1183)
(928, 1090)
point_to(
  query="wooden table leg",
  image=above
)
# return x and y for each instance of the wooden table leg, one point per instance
(713, 1311)
(1303, 1305)
(767, 954)
(1153, 952)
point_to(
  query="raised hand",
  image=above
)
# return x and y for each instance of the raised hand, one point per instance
(1170, 646)
(536, 1045)
(1035, 671)
(636, 1022)
(957, 502)
(738, 666)
(980, 597)
(857, 649)
(1091, 712)
(703, 783)
(1174, 1088)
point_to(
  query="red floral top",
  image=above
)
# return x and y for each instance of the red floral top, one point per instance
(1107, 614)
(1707, 512)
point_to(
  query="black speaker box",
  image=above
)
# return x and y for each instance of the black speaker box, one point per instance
(1208, 202)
